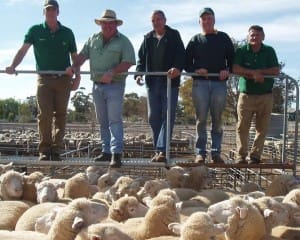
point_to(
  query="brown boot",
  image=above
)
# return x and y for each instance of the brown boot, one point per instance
(103, 157)
(44, 157)
(154, 158)
(200, 159)
(161, 157)
(116, 160)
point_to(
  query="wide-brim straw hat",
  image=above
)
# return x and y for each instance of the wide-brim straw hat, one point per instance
(108, 16)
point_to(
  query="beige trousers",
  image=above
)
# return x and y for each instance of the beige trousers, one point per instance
(248, 106)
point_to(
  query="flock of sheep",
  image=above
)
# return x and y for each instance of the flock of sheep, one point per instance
(104, 204)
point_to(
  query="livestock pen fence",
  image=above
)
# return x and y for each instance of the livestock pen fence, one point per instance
(82, 142)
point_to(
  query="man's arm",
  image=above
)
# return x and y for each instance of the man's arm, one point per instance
(120, 68)
(76, 81)
(18, 58)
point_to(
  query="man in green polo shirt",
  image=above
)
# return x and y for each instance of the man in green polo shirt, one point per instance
(109, 53)
(252, 62)
(53, 44)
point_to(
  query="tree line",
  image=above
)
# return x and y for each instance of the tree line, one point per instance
(135, 107)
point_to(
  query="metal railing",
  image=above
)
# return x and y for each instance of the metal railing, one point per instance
(282, 76)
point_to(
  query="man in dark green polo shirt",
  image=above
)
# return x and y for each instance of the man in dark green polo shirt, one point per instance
(252, 62)
(53, 44)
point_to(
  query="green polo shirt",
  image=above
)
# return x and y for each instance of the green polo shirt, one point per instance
(105, 57)
(264, 58)
(51, 49)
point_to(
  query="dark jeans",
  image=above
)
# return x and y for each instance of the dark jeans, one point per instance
(157, 111)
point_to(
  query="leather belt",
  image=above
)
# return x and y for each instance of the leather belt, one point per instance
(51, 75)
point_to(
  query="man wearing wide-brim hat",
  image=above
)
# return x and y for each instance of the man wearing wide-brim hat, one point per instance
(110, 53)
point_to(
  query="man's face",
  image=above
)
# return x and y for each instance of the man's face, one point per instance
(109, 28)
(158, 22)
(51, 12)
(255, 37)
(207, 22)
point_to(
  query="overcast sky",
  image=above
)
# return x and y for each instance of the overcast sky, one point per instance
(280, 19)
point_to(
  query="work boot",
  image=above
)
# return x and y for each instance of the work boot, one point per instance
(154, 158)
(161, 157)
(254, 160)
(116, 160)
(200, 159)
(44, 156)
(217, 159)
(55, 157)
(103, 157)
(241, 160)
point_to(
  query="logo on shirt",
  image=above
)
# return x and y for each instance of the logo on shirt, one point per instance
(42, 39)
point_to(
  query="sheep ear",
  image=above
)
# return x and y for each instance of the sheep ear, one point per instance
(46, 178)
(147, 201)
(78, 223)
(175, 228)
(23, 173)
(242, 212)
(60, 184)
(268, 212)
(179, 205)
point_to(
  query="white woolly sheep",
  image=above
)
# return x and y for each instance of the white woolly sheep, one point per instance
(11, 185)
(196, 178)
(239, 227)
(176, 176)
(93, 173)
(152, 187)
(77, 186)
(21, 235)
(44, 223)
(108, 179)
(281, 185)
(249, 187)
(6, 167)
(29, 190)
(123, 185)
(286, 233)
(156, 221)
(245, 220)
(47, 191)
(293, 196)
(27, 221)
(102, 231)
(274, 213)
(198, 226)
(126, 207)
(69, 221)
(10, 212)
(76, 215)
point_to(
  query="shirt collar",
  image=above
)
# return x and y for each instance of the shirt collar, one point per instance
(250, 49)
(45, 25)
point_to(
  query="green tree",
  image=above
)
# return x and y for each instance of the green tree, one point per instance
(83, 106)
(10, 109)
(25, 114)
(185, 93)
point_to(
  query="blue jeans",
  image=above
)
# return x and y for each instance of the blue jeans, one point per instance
(108, 100)
(157, 112)
(209, 96)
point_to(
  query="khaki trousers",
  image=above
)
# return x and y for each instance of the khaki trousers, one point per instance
(53, 94)
(261, 107)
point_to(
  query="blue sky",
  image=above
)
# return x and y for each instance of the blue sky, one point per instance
(280, 19)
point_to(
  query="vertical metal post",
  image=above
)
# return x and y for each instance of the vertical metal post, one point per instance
(285, 122)
(168, 137)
